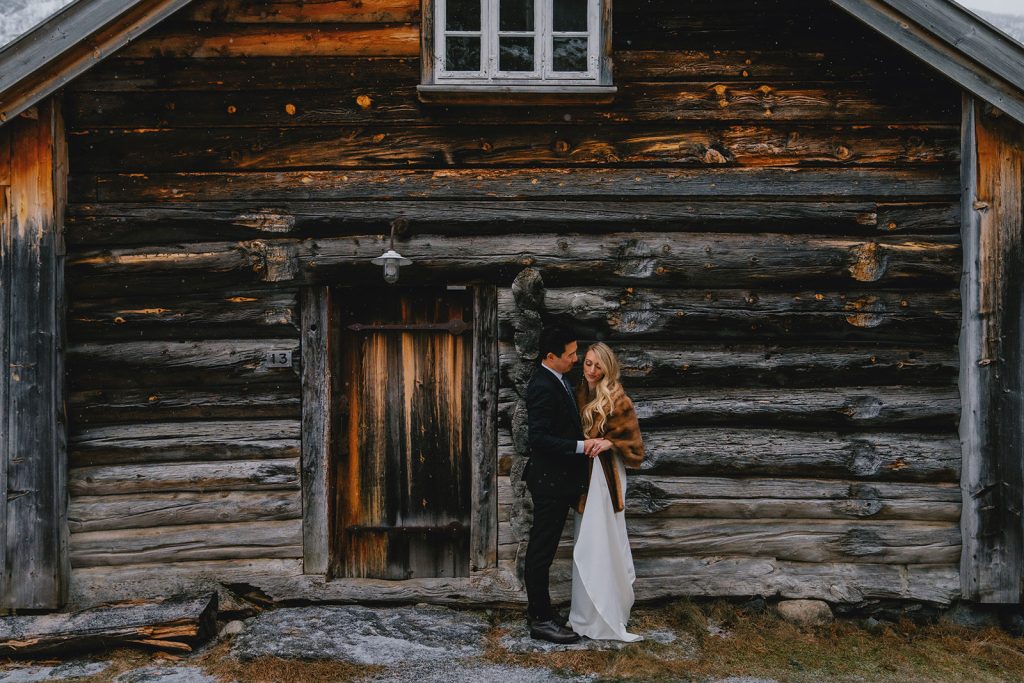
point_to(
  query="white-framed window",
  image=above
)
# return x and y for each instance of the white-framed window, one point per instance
(528, 43)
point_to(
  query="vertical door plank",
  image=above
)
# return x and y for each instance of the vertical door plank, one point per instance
(317, 433)
(35, 570)
(992, 363)
(484, 420)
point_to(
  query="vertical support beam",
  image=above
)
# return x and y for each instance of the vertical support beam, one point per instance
(35, 568)
(5, 305)
(992, 358)
(317, 427)
(484, 521)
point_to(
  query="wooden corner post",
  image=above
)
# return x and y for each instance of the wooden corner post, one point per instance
(992, 357)
(317, 425)
(34, 566)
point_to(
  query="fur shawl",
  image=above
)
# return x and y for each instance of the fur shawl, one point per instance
(623, 430)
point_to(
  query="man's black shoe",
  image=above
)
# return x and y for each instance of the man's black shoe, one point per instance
(552, 632)
(560, 619)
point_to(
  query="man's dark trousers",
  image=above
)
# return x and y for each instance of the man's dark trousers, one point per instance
(556, 476)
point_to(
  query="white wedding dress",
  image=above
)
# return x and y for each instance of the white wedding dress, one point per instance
(602, 565)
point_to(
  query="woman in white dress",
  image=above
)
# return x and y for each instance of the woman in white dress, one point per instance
(602, 567)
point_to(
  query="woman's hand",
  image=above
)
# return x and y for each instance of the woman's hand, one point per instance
(595, 447)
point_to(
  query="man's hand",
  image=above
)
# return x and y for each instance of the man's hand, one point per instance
(594, 447)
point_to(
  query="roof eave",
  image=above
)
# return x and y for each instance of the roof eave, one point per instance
(955, 42)
(69, 43)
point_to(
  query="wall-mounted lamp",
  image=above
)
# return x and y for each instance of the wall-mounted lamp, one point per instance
(391, 259)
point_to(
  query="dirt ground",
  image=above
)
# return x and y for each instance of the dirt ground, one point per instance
(715, 641)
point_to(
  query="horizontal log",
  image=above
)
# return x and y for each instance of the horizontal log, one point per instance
(102, 513)
(175, 222)
(801, 540)
(369, 103)
(197, 40)
(262, 314)
(286, 11)
(323, 72)
(895, 542)
(185, 441)
(181, 543)
(235, 475)
(225, 74)
(823, 184)
(613, 314)
(159, 404)
(878, 456)
(147, 149)
(695, 260)
(752, 498)
(150, 365)
(175, 624)
(657, 579)
(852, 407)
(744, 365)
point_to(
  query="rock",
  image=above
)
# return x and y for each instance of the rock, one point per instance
(66, 671)
(362, 635)
(232, 628)
(971, 615)
(873, 626)
(166, 674)
(805, 612)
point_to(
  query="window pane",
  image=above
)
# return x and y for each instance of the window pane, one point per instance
(570, 54)
(462, 15)
(570, 15)
(516, 15)
(515, 54)
(462, 54)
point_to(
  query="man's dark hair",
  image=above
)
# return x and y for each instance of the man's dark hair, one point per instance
(554, 340)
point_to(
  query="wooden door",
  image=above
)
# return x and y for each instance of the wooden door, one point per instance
(402, 465)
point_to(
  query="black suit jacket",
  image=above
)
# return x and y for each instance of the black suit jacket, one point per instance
(555, 469)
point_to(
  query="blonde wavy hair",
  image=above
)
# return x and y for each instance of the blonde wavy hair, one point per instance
(599, 408)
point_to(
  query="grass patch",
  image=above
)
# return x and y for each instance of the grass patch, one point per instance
(720, 639)
(218, 662)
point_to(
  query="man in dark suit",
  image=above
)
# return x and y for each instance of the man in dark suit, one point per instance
(556, 474)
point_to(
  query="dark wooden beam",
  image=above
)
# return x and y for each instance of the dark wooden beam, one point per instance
(33, 439)
(484, 526)
(992, 358)
(317, 433)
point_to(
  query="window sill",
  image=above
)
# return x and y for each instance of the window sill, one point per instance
(512, 95)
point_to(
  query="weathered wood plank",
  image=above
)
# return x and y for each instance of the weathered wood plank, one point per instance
(321, 12)
(992, 565)
(5, 156)
(148, 365)
(34, 568)
(695, 260)
(853, 407)
(657, 579)
(175, 222)
(826, 184)
(102, 513)
(160, 404)
(805, 540)
(318, 425)
(753, 452)
(752, 498)
(184, 441)
(262, 314)
(607, 313)
(369, 103)
(235, 475)
(382, 40)
(484, 494)
(325, 148)
(788, 65)
(181, 543)
(746, 365)
(175, 624)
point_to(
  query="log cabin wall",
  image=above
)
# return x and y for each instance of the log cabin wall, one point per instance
(764, 224)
